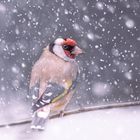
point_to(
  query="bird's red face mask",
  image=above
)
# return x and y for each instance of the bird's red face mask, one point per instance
(71, 49)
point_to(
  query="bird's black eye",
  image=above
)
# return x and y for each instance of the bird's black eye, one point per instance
(68, 48)
(65, 47)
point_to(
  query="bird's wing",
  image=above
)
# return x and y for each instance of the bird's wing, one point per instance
(53, 93)
(34, 93)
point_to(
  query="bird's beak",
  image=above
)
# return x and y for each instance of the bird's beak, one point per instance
(78, 51)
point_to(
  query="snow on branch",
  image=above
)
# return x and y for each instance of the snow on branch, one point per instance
(76, 111)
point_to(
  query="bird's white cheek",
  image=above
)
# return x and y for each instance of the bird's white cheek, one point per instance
(59, 41)
(59, 51)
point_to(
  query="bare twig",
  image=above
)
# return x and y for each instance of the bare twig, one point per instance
(76, 111)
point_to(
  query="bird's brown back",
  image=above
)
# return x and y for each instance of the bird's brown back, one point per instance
(50, 68)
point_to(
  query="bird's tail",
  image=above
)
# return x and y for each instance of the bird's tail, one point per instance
(39, 120)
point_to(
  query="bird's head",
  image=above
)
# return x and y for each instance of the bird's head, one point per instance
(66, 48)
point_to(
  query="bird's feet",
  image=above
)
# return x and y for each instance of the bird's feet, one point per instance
(61, 114)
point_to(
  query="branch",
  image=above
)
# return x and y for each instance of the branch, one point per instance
(76, 111)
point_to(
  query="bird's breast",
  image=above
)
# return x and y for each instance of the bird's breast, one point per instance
(60, 72)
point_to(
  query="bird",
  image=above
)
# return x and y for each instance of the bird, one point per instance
(53, 80)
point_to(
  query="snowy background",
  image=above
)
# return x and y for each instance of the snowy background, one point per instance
(108, 30)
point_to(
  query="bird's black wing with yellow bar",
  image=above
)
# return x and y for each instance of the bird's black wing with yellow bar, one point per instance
(52, 93)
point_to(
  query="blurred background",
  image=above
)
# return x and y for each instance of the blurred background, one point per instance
(108, 30)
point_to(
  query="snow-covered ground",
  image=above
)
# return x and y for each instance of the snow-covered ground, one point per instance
(109, 124)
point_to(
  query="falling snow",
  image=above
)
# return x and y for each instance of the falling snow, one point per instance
(90, 36)
(86, 18)
(101, 89)
(108, 31)
(99, 5)
(129, 23)
(2, 8)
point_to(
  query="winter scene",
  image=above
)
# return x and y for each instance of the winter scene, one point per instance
(69, 69)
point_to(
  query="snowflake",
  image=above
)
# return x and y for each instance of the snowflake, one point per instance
(129, 23)
(100, 5)
(86, 18)
(2, 8)
(90, 36)
(101, 89)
